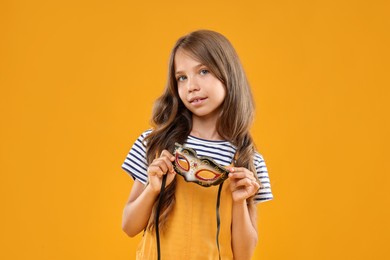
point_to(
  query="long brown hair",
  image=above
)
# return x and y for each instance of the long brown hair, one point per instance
(172, 121)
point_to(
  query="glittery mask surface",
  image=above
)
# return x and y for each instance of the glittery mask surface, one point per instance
(202, 170)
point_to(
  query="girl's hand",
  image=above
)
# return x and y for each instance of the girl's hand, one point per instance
(243, 183)
(159, 167)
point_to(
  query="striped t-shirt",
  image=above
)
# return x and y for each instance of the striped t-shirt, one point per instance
(222, 152)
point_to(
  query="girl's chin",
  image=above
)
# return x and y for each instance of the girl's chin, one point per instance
(200, 115)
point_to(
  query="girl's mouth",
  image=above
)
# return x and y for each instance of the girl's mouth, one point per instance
(197, 101)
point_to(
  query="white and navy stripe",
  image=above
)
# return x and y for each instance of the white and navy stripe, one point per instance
(222, 152)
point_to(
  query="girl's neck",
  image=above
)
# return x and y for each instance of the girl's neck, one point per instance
(205, 129)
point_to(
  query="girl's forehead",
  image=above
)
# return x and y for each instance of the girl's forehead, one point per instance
(181, 53)
(184, 58)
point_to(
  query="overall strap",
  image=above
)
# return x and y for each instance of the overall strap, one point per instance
(218, 217)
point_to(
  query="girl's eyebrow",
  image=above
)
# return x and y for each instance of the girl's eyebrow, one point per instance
(195, 67)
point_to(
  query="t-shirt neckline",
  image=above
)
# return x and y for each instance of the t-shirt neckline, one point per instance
(208, 141)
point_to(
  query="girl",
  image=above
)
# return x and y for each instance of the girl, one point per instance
(207, 106)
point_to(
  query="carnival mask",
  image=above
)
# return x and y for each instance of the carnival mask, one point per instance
(202, 170)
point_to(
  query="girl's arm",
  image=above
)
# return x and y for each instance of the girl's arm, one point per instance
(244, 225)
(138, 209)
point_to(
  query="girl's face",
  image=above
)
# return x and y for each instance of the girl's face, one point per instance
(200, 91)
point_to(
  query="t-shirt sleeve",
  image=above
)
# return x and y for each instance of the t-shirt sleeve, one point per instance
(264, 192)
(135, 163)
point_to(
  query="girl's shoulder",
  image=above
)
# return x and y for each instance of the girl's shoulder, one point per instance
(258, 158)
(146, 132)
(143, 135)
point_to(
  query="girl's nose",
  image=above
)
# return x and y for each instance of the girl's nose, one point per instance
(192, 85)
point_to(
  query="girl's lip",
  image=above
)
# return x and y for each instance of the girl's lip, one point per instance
(197, 101)
(194, 98)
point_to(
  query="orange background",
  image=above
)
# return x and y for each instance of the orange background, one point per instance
(78, 80)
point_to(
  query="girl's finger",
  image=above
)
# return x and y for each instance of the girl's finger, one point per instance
(154, 170)
(243, 174)
(158, 165)
(238, 169)
(164, 163)
(168, 159)
(166, 153)
(241, 183)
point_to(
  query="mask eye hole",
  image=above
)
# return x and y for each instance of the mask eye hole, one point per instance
(182, 162)
(207, 175)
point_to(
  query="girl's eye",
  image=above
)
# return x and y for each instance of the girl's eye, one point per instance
(204, 72)
(181, 78)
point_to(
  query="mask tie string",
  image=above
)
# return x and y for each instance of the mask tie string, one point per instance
(162, 190)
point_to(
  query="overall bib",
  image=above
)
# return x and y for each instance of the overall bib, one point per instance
(191, 228)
